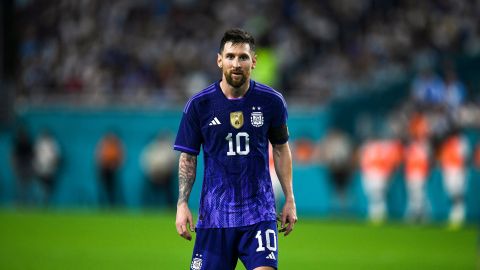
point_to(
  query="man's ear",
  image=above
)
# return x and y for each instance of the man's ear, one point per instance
(254, 61)
(219, 61)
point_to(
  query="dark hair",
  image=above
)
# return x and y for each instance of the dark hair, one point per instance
(237, 36)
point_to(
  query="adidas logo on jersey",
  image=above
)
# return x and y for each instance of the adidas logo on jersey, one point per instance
(214, 122)
(271, 256)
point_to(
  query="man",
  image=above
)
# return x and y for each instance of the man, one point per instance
(454, 152)
(233, 120)
(158, 162)
(22, 164)
(378, 161)
(46, 163)
(417, 158)
(417, 167)
(110, 156)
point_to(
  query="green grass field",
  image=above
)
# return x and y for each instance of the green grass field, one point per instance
(120, 240)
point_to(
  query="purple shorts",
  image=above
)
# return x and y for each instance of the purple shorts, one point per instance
(220, 248)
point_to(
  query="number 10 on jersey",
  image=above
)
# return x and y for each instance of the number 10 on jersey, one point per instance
(240, 138)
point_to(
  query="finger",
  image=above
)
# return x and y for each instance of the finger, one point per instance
(284, 220)
(191, 224)
(183, 231)
(187, 235)
(179, 229)
(289, 228)
(291, 225)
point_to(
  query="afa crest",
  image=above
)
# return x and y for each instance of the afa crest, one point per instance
(236, 119)
(257, 119)
(196, 264)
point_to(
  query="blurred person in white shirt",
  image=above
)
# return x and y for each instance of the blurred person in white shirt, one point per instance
(158, 161)
(46, 162)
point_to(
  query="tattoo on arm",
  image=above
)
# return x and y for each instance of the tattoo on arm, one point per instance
(187, 168)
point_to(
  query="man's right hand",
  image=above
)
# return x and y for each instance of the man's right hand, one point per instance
(184, 221)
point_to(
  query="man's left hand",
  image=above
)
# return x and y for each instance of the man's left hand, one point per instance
(288, 218)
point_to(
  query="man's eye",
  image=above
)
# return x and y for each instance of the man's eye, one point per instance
(244, 57)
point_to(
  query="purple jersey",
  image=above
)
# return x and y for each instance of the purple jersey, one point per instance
(237, 189)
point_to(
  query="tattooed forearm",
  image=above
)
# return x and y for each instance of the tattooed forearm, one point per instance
(187, 168)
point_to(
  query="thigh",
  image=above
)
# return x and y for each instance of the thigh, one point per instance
(258, 245)
(214, 249)
(374, 185)
(454, 182)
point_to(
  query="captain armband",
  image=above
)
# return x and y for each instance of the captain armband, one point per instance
(278, 135)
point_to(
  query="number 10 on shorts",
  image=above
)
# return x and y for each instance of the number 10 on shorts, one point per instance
(270, 239)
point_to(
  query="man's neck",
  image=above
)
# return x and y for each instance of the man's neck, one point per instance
(233, 92)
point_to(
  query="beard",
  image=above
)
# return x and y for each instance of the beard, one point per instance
(235, 83)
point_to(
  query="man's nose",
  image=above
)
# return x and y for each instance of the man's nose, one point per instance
(236, 62)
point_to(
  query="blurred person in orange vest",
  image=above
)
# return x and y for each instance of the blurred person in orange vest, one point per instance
(109, 160)
(453, 157)
(378, 160)
(302, 150)
(417, 166)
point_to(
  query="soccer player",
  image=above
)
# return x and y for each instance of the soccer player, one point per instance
(454, 152)
(417, 158)
(233, 120)
(417, 167)
(378, 160)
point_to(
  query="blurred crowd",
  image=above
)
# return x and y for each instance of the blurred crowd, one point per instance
(163, 51)
(436, 127)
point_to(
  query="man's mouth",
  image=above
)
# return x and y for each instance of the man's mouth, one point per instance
(237, 75)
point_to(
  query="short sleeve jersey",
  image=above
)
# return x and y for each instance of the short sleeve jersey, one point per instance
(237, 189)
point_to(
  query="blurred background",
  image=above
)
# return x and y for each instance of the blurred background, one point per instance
(354, 73)
(384, 101)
